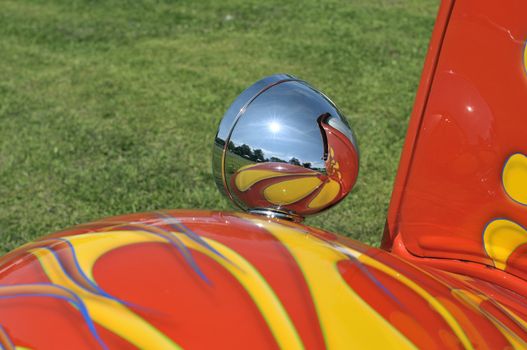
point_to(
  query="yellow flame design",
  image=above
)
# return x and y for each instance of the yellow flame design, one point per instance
(122, 321)
(345, 318)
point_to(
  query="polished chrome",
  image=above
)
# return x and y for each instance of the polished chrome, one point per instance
(275, 214)
(281, 146)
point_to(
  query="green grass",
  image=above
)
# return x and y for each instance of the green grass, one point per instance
(110, 107)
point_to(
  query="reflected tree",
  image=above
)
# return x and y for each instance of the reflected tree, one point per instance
(294, 161)
(258, 156)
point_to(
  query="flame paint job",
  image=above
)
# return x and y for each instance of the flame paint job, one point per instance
(191, 279)
(163, 280)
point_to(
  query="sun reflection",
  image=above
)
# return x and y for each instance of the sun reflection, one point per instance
(274, 127)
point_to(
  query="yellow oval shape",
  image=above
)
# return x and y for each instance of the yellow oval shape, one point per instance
(515, 178)
(501, 238)
(291, 191)
(245, 179)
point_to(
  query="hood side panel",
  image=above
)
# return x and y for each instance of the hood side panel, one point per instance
(465, 194)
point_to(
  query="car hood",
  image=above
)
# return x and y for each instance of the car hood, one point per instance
(196, 279)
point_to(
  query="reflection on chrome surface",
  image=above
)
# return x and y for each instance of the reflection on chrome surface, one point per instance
(283, 148)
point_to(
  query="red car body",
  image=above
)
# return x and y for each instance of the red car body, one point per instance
(451, 272)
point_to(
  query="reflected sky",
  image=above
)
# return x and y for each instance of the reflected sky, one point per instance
(282, 123)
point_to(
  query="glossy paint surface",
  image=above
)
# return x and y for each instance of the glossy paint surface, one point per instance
(183, 279)
(190, 279)
(463, 196)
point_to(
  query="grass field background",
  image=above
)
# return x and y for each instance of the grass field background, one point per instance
(110, 107)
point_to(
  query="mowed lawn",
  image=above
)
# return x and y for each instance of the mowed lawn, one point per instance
(110, 107)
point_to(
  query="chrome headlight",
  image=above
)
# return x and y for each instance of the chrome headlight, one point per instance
(284, 149)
